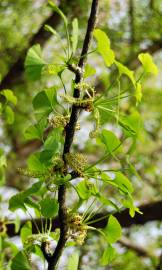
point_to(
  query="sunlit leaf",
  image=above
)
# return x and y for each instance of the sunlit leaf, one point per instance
(84, 190)
(75, 33)
(148, 63)
(3, 160)
(17, 223)
(57, 10)
(138, 93)
(73, 262)
(126, 71)
(103, 47)
(112, 230)
(26, 230)
(89, 71)
(54, 69)
(108, 255)
(9, 115)
(50, 29)
(9, 96)
(128, 203)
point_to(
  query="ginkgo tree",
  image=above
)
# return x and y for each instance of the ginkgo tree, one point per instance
(57, 169)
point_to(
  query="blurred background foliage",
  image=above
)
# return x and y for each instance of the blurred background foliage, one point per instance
(133, 26)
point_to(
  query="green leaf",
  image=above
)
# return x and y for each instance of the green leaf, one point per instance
(108, 255)
(89, 71)
(54, 69)
(51, 94)
(33, 189)
(8, 244)
(20, 262)
(44, 101)
(50, 29)
(73, 262)
(54, 140)
(126, 71)
(32, 132)
(9, 96)
(75, 33)
(138, 93)
(9, 115)
(17, 223)
(49, 207)
(34, 62)
(32, 204)
(35, 164)
(38, 252)
(120, 181)
(123, 182)
(1, 108)
(128, 203)
(26, 230)
(83, 190)
(112, 143)
(35, 131)
(3, 160)
(103, 47)
(131, 124)
(112, 230)
(107, 202)
(45, 158)
(41, 103)
(148, 63)
(58, 11)
(19, 200)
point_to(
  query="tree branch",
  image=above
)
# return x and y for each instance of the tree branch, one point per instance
(151, 212)
(69, 135)
(140, 251)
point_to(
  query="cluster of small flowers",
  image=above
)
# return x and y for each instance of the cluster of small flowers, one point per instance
(58, 120)
(30, 173)
(57, 162)
(36, 239)
(77, 230)
(86, 104)
(84, 86)
(76, 161)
